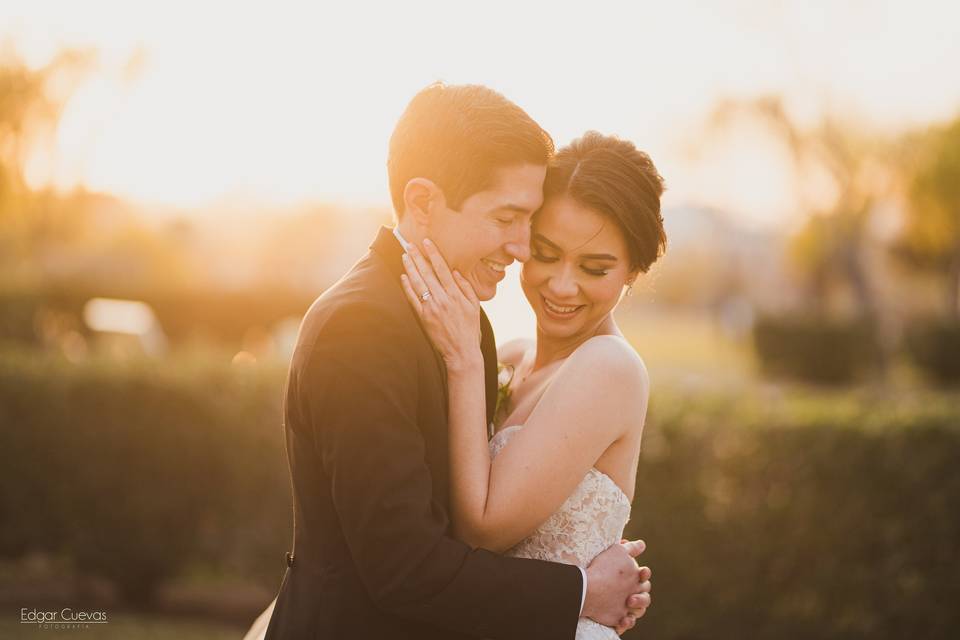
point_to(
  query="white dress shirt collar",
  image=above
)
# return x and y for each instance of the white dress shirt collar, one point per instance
(403, 241)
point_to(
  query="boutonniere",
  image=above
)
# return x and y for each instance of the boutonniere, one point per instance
(504, 378)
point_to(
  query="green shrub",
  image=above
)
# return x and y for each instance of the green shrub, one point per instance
(134, 471)
(780, 519)
(935, 347)
(816, 350)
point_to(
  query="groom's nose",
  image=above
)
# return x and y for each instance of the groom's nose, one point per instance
(518, 247)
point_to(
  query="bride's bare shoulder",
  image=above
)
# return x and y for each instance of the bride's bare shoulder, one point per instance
(613, 358)
(513, 351)
(606, 374)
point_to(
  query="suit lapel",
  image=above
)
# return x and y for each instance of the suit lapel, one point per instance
(488, 346)
(388, 247)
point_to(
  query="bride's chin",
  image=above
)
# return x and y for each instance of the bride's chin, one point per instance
(554, 329)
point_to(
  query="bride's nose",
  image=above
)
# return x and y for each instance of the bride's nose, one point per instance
(562, 284)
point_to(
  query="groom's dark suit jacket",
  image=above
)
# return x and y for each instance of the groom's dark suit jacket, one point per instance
(365, 420)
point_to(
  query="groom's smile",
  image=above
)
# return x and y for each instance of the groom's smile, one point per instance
(497, 267)
(492, 228)
(495, 270)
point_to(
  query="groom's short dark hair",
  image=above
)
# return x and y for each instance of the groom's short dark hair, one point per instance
(457, 136)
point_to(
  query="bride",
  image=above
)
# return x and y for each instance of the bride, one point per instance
(556, 480)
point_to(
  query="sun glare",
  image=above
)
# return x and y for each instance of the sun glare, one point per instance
(195, 103)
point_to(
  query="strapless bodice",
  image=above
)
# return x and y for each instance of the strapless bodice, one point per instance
(589, 521)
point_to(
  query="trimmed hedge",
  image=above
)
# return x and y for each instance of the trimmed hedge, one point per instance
(767, 514)
(133, 472)
(828, 518)
(815, 349)
(934, 346)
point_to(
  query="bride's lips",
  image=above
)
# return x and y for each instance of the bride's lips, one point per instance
(559, 311)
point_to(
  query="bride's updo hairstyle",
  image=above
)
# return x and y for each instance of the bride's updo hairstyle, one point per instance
(614, 178)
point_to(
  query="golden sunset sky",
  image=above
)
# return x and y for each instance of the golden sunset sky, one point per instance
(197, 103)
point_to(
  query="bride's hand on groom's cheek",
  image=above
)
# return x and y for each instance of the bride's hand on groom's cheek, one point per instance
(445, 302)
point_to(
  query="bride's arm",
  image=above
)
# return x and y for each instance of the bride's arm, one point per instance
(469, 451)
(598, 396)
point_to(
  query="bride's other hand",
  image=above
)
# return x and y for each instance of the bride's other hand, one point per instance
(451, 311)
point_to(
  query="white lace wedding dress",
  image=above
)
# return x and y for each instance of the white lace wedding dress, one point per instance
(590, 520)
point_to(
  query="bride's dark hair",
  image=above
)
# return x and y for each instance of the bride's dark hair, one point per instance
(614, 178)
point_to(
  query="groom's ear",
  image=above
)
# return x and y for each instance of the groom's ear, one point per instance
(421, 197)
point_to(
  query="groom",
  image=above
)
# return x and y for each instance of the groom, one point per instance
(365, 412)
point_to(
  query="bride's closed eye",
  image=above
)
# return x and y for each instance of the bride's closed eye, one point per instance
(539, 257)
(595, 272)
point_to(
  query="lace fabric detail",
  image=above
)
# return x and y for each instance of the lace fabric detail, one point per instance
(589, 521)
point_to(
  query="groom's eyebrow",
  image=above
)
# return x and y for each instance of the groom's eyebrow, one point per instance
(512, 207)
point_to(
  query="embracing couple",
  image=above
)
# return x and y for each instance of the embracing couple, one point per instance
(410, 520)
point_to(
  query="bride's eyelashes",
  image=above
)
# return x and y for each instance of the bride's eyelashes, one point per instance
(595, 272)
(539, 257)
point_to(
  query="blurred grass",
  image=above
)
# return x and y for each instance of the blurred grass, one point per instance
(126, 626)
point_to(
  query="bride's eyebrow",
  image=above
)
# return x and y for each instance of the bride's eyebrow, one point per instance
(539, 237)
(599, 256)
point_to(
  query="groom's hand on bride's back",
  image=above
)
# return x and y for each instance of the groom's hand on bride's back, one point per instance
(618, 591)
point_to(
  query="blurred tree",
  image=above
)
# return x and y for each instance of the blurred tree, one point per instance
(829, 247)
(930, 240)
(50, 236)
(30, 105)
(21, 95)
